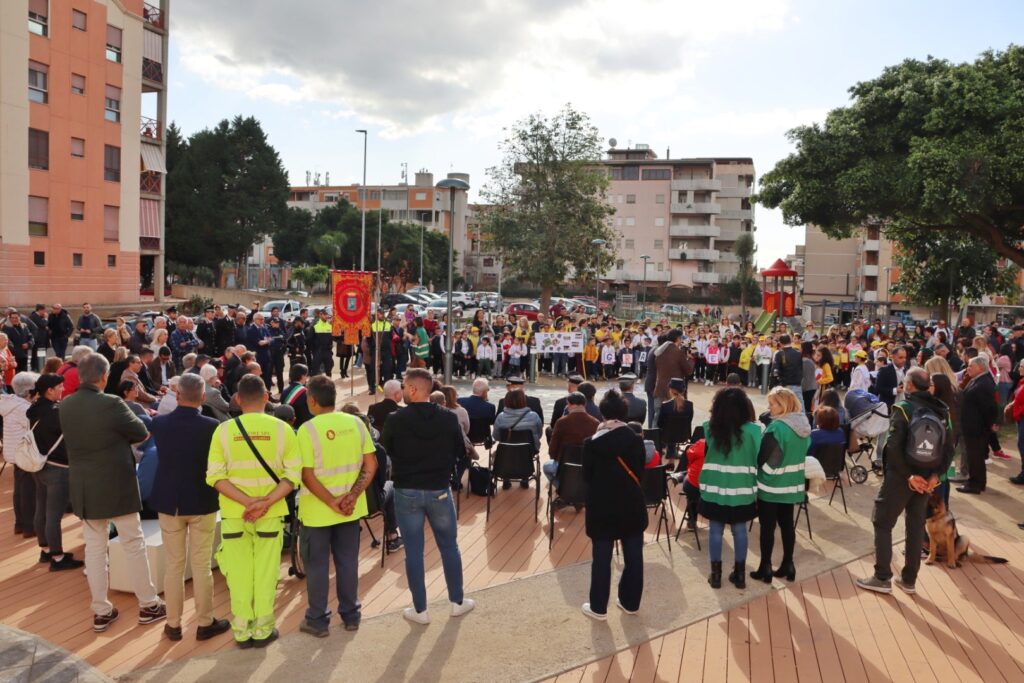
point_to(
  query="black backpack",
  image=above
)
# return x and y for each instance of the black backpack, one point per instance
(926, 436)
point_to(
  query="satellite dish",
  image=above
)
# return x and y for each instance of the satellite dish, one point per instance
(612, 142)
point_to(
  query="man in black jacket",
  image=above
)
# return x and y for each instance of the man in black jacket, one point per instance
(788, 368)
(140, 337)
(206, 332)
(978, 414)
(38, 318)
(651, 382)
(889, 382)
(61, 329)
(20, 339)
(378, 413)
(223, 330)
(425, 442)
(906, 487)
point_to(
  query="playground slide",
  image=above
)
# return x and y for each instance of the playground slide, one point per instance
(764, 322)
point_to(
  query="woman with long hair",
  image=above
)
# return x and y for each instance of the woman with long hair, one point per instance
(780, 480)
(728, 480)
(825, 373)
(809, 383)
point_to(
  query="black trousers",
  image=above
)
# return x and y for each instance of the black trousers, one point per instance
(895, 498)
(976, 450)
(277, 366)
(24, 499)
(631, 583)
(770, 515)
(323, 362)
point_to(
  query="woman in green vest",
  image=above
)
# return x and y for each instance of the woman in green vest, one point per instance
(781, 483)
(421, 347)
(728, 481)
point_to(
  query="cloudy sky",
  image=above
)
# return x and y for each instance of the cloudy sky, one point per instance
(436, 83)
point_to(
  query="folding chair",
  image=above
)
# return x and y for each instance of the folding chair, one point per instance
(572, 489)
(655, 488)
(480, 433)
(374, 509)
(687, 518)
(833, 460)
(515, 461)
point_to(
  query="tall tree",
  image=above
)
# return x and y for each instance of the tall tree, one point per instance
(548, 198)
(744, 248)
(929, 148)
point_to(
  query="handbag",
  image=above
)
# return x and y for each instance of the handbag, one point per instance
(480, 480)
(252, 447)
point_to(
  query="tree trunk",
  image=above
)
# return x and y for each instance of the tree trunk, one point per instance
(743, 300)
(545, 298)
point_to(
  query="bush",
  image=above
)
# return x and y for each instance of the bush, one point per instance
(196, 305)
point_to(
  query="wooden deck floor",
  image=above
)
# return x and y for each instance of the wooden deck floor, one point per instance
(963, 625)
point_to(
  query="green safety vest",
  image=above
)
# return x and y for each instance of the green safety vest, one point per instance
(786, 483)
(332, 445)
(322, 327)
(732, 480)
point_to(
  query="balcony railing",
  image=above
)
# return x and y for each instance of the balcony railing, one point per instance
(154, 16)
(152, 71)
(700, 278)
(149, 182)
(696, 207)
(697, 184)
(695, 231)
(150, 128)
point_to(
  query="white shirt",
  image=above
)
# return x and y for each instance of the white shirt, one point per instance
(860, 378)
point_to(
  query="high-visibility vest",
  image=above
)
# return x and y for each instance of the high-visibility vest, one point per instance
(730, 479)
(332, 445)
(785, 483)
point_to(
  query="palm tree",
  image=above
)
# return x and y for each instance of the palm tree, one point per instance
(744, 248)
(329, 246)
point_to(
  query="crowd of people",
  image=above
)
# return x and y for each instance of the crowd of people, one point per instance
(177, 422)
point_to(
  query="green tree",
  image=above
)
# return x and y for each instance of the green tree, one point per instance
(929, 148)
(226, 189)
(548, 198)
(737, 290)
(744, 248)
(330, 246)
(311, 276)
(293, 237)
(934, 265)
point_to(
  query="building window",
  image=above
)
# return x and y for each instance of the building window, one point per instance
(76, 260)
(374, 194)
(659, 222)
(77, 147)
(112, 163)
(38, 17)
(37, 80)
(111, 261)
(630, 220)
(111, 221)
(113, 104)
(624, 172)
(657, 174)
(38, 216)
(78, 19)
(659, 244)
(619, 264)
(77, 210)
(659, 199)
(421, 196)
(399, 195)
(113, 44)
(631, 199)
(488, 262)
(78, 84)
(661, 266)
(39, 258)
(38, 149)
(630, 244)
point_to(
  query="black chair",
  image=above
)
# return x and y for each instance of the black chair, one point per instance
(572, 490)
(515, 461)
(687, 518)
(480, 433)
(572, 454)
(375, 508)
(802, 507)
(833, 460)
(654, 484)
(654, 434)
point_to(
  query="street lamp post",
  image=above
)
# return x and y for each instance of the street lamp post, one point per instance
(888, 298)
(423, 229)
(597, 287)
(366, 196)
(450, 184)
(645, 258)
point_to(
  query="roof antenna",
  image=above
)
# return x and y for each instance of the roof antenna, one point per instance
(668, 152)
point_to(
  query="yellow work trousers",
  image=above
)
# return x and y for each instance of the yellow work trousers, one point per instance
(250, 559)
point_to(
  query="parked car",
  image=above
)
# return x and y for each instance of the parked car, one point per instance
(676, 310)
(460, 297)
(289, 308)
(492, 303)
(297, 292)
(440, 307)
(398, 300)
(530, 311)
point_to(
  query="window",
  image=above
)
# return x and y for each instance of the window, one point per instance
(78, 84)
(111, 221)
(659, 244)
(112, 163)
(618, 220)
(488, 262)
(661, 266)
(38, 17)
(111, 261)
(630, 220)
(625, 172)
(113, 104)
(113, 44)
(421, 196)
(657, 174)
(659, 199)
(39, 258)
(78, 19)
(77, 210)
(77, 147)
(659, 222)
(399, 195)
(374, 194)
(38, 216)
(630, 244)
(38, 149)
(76, 260)
(631, 199)
(37, 80)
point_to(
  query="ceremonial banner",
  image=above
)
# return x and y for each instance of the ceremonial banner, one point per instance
(352, 293)
(560, 342)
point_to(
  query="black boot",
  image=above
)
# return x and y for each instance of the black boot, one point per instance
(738, 577)
(763, 573)
(716, 575)
(787, 571)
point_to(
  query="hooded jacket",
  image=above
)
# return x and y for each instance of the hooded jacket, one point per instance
(424, 442)
(894, 457)
(781, 458)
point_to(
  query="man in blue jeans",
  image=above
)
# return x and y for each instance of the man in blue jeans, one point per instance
(425, 442)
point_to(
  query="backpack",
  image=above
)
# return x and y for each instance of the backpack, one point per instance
(926, 435)
(27, 456)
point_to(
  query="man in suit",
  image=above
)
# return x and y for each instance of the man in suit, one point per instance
(978, 414)
(162, 369)
(572, 385)
(206, 331)
(214, 401)
(637, 406)
(889, 382)
(257, 340)
(379, 412)
(651, 382)
(99, 430)
(532, 402)
(223, 330)
(38, 318)
(480, 410)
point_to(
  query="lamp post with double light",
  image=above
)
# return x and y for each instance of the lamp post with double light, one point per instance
(366, 197)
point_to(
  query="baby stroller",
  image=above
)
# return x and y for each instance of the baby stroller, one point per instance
(869, 419)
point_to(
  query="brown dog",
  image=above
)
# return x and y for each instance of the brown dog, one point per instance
(944, 542)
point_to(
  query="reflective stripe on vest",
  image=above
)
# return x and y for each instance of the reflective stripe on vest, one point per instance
(340, 479)
(244, 470)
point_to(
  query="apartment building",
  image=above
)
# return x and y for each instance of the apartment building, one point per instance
(685, 214)
(421, 204)
(82, 111)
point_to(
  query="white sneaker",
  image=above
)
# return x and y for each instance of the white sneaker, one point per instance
(592, 614)
(412, 615)
(627, 611)
(465, 608)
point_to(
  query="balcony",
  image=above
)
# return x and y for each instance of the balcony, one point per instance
(152, 71)
(697, 185)
(150, 182)
(693, 254)
(869, 296)
(694, 231)
(150, 129)
(637, 276)
(868, 271)
(738, 214)
(696, 207)
(729, 235)
(707, 278)
(728, 257)
(871, 245)
(154, 16)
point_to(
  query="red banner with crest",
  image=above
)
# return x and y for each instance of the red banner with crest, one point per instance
(353, 291)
